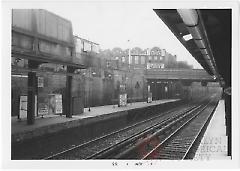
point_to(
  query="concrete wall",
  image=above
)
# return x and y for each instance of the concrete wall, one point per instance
(197, 91)
(94, 91)
(136, 86)
(19, 87)
(103, 90)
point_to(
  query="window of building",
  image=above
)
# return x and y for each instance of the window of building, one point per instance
(143, 60)
(95, 48)
(79, 45)
(161, 66)
(86, 47)
(150, 58)
(155, 58)
(123, 59)
(136, 59)
(163, 52)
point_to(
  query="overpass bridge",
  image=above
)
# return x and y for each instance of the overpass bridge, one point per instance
(163, 82)
(192, 75)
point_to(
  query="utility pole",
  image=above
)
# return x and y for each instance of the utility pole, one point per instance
(129, 62)
(129, 54)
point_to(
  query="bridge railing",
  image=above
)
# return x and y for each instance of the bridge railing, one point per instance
(178, 74)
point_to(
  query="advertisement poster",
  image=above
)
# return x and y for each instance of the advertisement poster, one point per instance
(40, 82)
(23, 107)
(55, 103)
(123, 99)
(58, 101)
(42, 105)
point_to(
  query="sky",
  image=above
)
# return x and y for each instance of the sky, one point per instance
(112, 24)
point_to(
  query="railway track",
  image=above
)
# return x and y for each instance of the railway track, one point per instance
(175, 142)
(110, 144)
(178, 145)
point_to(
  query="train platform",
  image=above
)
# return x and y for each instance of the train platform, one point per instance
(213, 145)
(20, 131)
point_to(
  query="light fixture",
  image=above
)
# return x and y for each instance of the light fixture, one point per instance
(189, 16)
(187, 37)
(19, 75)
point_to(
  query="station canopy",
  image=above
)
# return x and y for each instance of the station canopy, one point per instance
(206, 34)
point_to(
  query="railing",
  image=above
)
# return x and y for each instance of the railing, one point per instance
(195, 74)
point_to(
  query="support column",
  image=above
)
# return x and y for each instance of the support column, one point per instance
(68, 101)
(32, 91)
(228, 117)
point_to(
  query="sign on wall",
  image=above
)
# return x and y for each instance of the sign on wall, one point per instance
(122, 95)
(23, 107)
(123, 99)
(40, 82)
(122, 88)
(58, 100)
(155, 65)
(42, 108)
(42, 104)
